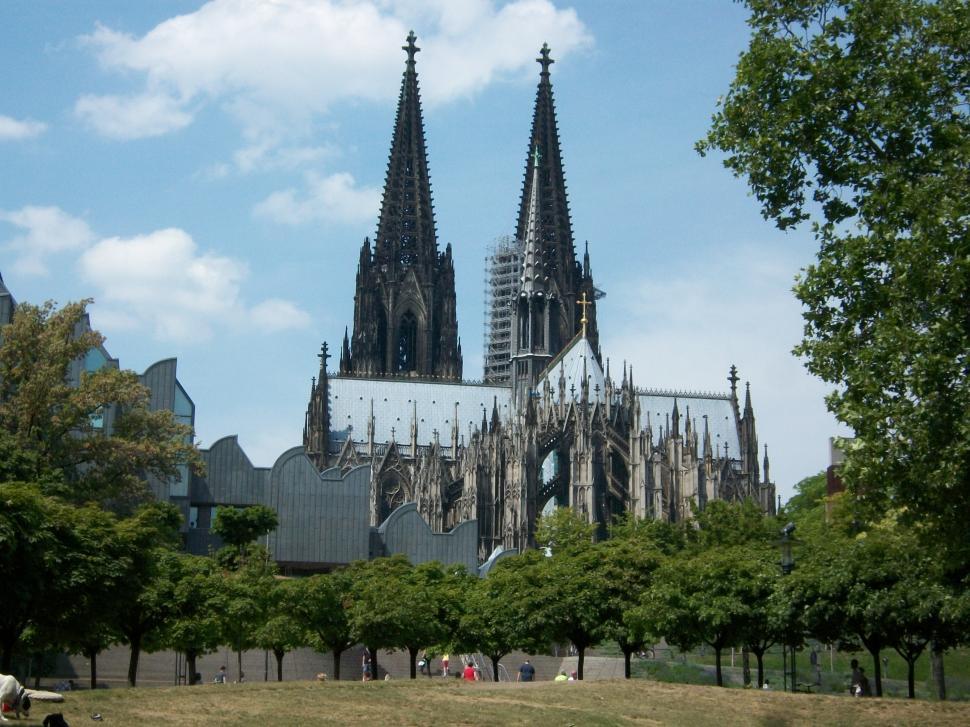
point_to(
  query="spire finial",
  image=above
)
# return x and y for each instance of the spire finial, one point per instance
(411, 48)
(734, 378)
(584, 303)
(544, 60)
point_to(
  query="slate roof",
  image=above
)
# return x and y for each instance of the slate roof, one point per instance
(394, 407)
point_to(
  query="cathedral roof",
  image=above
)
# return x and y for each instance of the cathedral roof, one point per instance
(395, 402)
(575, 362)
(658, 405)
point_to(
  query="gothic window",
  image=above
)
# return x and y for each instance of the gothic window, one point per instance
(407, 343)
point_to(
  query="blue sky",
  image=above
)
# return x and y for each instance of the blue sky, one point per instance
(207, 171)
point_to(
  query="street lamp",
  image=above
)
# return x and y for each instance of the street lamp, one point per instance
(787, 565)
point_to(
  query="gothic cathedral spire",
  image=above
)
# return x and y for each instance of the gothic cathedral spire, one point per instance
(567, 278)
(405, 317)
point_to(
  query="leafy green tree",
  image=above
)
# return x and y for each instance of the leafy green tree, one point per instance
(239, 527)
(31, 537)
(495, 619)
(320, 606)
(147, 607)
(199, 597)
(563, 528)
(54, 422)
(379, 618)
(282, 631)
(570, 598)
(853, 114)
(628, 566)
(246, 606)
(712, 597)
(724, 523)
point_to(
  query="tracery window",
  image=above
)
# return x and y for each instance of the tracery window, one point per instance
(407, 343)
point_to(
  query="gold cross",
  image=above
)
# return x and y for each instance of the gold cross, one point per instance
(583, 302)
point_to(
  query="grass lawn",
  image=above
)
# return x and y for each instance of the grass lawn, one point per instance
(445, 702)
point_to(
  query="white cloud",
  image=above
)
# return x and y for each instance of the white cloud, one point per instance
(132, 117)
(162, 281)
(47, 231)
(274, 314)
(334, 198)
(275, 64)
(13, 130)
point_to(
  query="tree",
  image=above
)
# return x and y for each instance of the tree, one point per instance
(199, 597)
(247, 604)
(715, 596)
(564, 528)
(320, 605)
(56, 423)
(241, 526)
(379, 619)
(854, 114)
(628, 564)
(282, 631)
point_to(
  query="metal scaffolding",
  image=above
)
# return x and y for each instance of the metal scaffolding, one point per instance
(503, 267)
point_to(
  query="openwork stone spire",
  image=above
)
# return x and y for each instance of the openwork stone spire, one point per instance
(405, 313)
(406, 229)
(544, 189)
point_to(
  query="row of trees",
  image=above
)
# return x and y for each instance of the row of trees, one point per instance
(715, 581)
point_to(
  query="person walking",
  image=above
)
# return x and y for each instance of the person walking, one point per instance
(527, 672)
(444, 665)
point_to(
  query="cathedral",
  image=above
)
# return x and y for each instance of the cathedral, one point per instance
(555, 426)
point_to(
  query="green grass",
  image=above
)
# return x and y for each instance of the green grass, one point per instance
(671, 665)
(450, 702)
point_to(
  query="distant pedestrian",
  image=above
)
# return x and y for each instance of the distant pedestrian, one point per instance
(527, 672)
(444, 665)
(424, 665)
(365, 666)
(220, 677)
(470, 674)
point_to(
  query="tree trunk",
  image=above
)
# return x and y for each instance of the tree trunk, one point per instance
(413, 654)
(135, 643)
(239, 670)
(93, 656)
(279, 654)
(190, 667)
(876, 671)
(581, 652)
(746, 666)
(717, 661)
(6, 661)
(627, 657)
(759, 654)
(936, 667)
(494, 668)
(373, 663)
(336, 663)
(911, 677)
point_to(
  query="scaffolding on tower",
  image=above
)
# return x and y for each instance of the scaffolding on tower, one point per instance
(503, 268)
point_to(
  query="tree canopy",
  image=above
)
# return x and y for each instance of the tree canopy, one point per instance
(854, 114)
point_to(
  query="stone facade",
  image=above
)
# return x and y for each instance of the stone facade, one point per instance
(562, 431)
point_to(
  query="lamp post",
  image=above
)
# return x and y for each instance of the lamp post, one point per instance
(787, 565)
